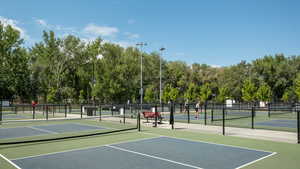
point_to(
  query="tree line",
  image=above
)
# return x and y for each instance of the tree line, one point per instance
(68, 69)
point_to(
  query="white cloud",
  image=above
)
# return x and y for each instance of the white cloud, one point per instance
(14, 24)
(132, 35)
(57, 28)
(131, 21)
(215, 66)
(100, 30)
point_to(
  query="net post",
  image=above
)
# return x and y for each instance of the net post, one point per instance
(205, 113)
(156, 115)
(223, 119)
(188, 112)
(162, 104)
(124, 108)
(47, 112)
(112, 111)
(252, 117)
(298, 126)
(66, 110)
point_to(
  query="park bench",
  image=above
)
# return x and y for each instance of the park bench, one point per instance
(152, 115)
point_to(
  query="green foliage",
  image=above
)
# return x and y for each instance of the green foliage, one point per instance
(150, 94)
(52, 95)
(289, 95)
(223, 94)
(81, 96)
(205, 92)
(297, 86)
(264, 93)
(249, 91)
(170, 93)
(61, 69)
(192, 92)
(14, 65)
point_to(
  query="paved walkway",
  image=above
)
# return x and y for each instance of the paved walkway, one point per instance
(279, 136)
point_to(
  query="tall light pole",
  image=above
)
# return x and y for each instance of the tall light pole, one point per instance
(141, 45)
(160, 86)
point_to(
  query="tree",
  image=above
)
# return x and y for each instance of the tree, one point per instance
(223, 94)
(14, 65)
(248, 91)
(289, 95)
(150, 94)
(205, 92)
(264, 93)
(192, 92)
(297, 86)
(170, 93)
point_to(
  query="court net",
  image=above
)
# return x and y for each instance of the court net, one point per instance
(92, 121)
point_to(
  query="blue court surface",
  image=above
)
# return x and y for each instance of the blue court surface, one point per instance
(45, 129)
(158, 153)
(279, 123)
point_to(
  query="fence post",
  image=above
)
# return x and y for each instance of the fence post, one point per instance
(205, 113)
(156, 114)
(33, 112)
(46, 112)
(124, 110)
(0, 111)
(188, 112)
(252, 117)
(269, 111)
(212, 112)
(66, 110)
(172, 115)
(139, 121)
(298, 125)
(223, 119)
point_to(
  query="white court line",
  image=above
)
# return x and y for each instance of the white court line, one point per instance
(255, 161)
(85, 148)
(43, 130)
(155, 157)
(272, 153)
(15, 165)
(198, 141)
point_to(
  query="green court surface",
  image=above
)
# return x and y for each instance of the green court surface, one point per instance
(287, 155)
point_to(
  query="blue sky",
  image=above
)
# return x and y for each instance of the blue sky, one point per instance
(221, 33)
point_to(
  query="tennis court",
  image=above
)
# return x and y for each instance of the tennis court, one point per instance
(158, 152)
(45, 129)
(279, 123)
